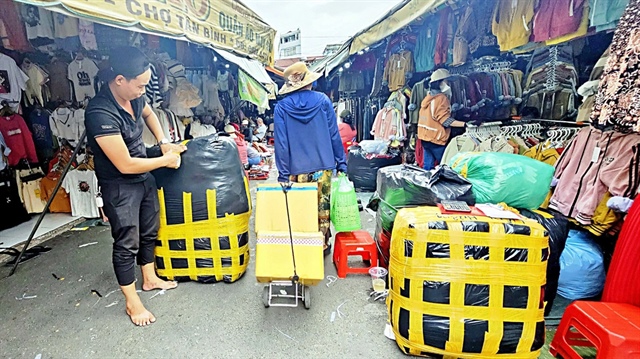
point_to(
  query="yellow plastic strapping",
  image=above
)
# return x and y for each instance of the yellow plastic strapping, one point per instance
(230, 226)
(412, 224)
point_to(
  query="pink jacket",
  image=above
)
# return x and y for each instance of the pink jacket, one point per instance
(594, 163)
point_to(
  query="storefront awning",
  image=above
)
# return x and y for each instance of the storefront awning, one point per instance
(253, 68)
(222, 24)
(326, 65)
(397, 18)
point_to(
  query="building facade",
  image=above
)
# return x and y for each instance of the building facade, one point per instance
(290, 44)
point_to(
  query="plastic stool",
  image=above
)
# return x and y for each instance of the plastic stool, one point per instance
(612, 328)
(358, 243)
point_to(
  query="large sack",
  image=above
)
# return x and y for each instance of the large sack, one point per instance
(204, 214)
(409, 186)
(518, 181)
(582, 272)
(362, 167)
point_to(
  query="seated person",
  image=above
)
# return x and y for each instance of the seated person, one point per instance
(254, 156)
(347, 128)
(260, 132)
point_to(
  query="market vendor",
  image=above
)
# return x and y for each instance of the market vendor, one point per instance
(114, 120)
(435, 121)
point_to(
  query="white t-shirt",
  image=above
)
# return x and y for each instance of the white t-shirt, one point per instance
(64, 26)
(12, 81)
(82, 187)
(87, 35)
(82, 74)
(68, 124)
(38, 22)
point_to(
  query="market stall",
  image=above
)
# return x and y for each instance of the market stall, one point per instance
(208, 69)
(532, 81)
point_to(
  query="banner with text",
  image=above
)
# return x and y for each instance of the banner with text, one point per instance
(226, 24)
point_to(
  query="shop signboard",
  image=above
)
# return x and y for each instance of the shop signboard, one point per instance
(225, 24)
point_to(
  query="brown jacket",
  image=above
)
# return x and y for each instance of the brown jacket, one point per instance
(434, 111)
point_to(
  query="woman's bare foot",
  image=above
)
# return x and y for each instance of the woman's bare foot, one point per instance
(139, 315)
(159, 284)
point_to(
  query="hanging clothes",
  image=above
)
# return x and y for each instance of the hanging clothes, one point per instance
(59, 84)
(424, 56)
(555, 18)
(87, 35)
(82, 73)
(38, 24)
(596, 162)
(512, 23)
(152, 90)
(389, 125)
(582, 30)
(12, 81)
(18, 138)
(82, 187)
(589, 89)
(604, 14)
(444, 39)
(14, 36)
(67, 124)
(37, 79)
(618, 99)
(397, 67)
(13, 212)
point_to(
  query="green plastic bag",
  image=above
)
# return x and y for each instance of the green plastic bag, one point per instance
(516, 180)
(345, 214)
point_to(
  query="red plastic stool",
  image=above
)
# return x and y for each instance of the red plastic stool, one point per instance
(358, 243)
(612, 328)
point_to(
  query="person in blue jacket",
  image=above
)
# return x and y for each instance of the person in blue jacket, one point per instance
(307, 141)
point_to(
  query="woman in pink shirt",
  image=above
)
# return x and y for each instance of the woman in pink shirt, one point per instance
(347, 129)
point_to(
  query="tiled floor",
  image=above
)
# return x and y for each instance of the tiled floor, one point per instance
(52, 221)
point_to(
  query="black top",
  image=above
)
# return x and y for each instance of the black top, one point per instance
(104, 117)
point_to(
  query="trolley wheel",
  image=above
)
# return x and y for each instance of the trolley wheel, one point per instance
(265, 296)
(307, 297)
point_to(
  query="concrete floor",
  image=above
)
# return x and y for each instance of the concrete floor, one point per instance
(66, 320)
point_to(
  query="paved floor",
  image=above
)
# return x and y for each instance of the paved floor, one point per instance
(63, 319)
(66, 320)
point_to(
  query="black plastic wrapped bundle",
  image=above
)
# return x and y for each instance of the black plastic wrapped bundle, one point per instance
(203, 202)
(362, 167)
(409, 186)
(558, 227)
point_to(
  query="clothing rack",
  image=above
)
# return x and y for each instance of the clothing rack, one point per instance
(481, 67)
(51, 198)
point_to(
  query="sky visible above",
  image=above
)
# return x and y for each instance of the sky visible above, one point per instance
(322, 22)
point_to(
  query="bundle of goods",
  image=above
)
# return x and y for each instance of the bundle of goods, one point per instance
(557, 226)
(204, 214)
(467, 286)
(364, 161)
(274, 259)
(582, 272)
(518, 181)
(409, 186)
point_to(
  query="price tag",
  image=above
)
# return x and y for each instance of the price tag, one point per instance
(596, 154)
(99, 202)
